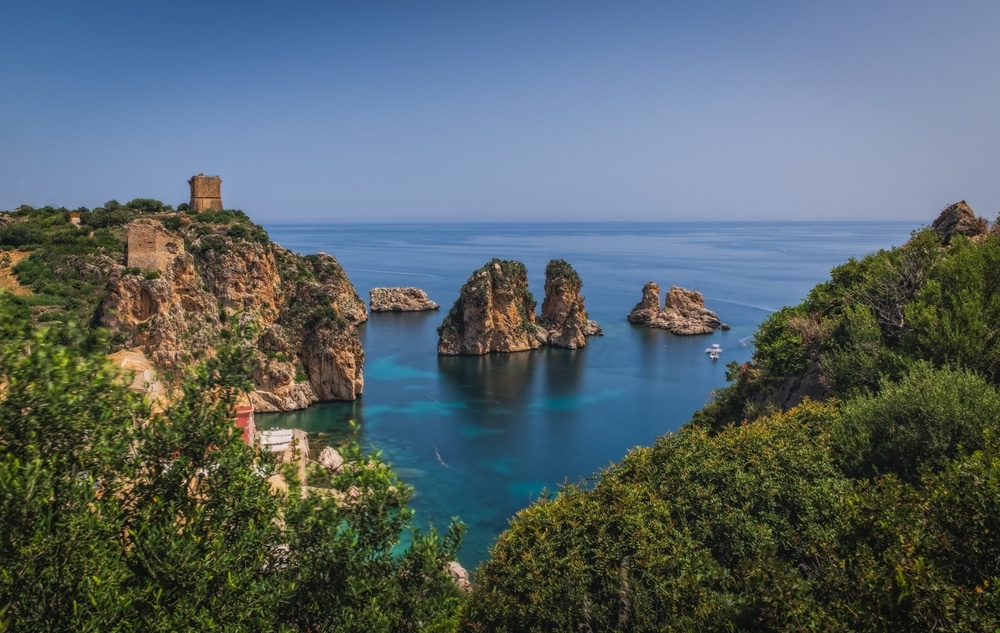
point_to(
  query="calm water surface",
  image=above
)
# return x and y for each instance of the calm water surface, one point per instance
(481, 437)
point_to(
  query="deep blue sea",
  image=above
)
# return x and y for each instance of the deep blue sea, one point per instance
(480, 437)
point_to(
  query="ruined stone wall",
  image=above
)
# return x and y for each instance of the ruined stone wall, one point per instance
(206, 192)
(150, 247)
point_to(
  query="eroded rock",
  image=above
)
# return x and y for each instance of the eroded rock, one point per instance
(959, 219)
(494, 312)
(564, 317)
(400, 300)
(189, 290)
(683, 313)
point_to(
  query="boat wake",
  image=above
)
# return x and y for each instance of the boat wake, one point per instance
(401, 272)
(437, 454)
(740, 303)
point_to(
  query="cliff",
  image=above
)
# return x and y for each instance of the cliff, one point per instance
(400, 300)
(184, 290)
(564, 317)
(683, 313)
(495, 312)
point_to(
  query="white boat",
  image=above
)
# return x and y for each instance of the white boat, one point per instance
(714, 349)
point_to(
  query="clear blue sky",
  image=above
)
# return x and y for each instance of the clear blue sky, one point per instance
(368, 110)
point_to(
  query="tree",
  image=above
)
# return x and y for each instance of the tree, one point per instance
(113, 517)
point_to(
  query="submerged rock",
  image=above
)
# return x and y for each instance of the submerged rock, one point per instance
(400, 300)
(494, 312)
(683, 313)
(564, 317)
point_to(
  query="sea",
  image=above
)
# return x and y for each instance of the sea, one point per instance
(480, 438)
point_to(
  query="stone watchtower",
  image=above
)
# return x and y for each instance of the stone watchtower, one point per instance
(206, 192)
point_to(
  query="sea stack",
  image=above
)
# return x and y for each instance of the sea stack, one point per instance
(564, 317)
(683, 313)
(494, 312)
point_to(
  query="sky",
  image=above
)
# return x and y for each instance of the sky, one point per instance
(541, 110)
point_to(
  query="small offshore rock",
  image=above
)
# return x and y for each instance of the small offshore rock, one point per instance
(400, 300)
(683, 313)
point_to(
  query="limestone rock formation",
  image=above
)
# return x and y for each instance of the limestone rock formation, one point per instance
(494, 312)
(330, 459)
(959, 219)
(186, 290)
(683, 313)
(564, 317)
(400, 300)
(459, 575)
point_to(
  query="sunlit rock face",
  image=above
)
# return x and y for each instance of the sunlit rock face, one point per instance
(683, 313)
(494, 312)
(564, 316)
(181, 293)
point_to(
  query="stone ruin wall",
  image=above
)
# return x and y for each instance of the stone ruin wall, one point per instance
(206, 192)
(150, 247)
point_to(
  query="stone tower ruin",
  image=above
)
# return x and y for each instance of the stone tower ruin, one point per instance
(206, 192)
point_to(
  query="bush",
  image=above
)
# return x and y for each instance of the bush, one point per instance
(928, 418)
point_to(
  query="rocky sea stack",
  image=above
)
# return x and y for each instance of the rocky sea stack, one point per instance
(683, 313)
(564, 317)
(495, 312)
(189, 284)
(400, 300)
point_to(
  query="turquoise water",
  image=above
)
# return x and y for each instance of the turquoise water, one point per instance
(481, 437)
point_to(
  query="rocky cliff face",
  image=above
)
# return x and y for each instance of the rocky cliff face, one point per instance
(495, 312)
(683, 312)
(186, 290)
(564, 317)
(400, 300)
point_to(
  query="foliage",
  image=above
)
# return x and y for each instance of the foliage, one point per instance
(66, 269)
(928, 417)
(113, 517)
(561, 269)
(671, 538)
(874, 511)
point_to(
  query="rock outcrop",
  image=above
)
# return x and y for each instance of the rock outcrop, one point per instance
(683, 313)
(959, 219)
(564, 317)
(400, 300)
(494, 312)
(189, 289)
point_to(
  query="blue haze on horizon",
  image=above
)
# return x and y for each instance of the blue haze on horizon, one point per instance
(552, 110)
